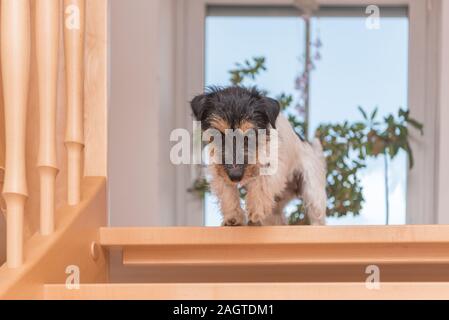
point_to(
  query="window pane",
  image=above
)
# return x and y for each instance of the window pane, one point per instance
(358, 67)
(367, 68)
(235, 39)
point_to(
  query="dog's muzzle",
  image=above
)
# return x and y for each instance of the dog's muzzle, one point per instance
(235, 171)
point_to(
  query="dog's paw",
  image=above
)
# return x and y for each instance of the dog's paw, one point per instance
(255, 219)
(233, 222)
(254, 223)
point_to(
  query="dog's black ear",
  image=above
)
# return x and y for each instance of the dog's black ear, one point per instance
(198, 105)
(272, 109)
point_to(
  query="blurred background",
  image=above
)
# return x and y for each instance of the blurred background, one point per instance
(368, 80)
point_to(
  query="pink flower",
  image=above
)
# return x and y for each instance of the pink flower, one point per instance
(300, 109)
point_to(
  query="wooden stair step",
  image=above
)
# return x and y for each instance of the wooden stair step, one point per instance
(280, 246)
(249, 291)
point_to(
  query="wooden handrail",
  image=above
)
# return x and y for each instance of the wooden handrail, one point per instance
(47, 50)
(74, 37)
(15, 57)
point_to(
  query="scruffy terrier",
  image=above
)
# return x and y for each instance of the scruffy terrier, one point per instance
(299, 170)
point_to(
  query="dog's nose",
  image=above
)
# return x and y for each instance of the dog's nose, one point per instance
(235, 172)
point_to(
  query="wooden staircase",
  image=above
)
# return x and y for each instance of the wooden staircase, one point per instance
(227, 263)
(274, 263)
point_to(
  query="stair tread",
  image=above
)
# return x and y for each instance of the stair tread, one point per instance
(280, 246)
(235, 291)
(273, 235)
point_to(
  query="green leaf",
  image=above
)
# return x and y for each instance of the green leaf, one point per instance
(374, 114)
(365, 116)
(411, 160)
(415, 124)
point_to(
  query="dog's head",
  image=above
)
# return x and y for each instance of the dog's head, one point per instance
(235, 111)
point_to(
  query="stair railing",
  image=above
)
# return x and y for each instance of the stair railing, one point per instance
(15, 59)
(47, 51)
(74, 29)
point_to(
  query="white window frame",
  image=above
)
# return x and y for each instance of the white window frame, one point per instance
(423, 84)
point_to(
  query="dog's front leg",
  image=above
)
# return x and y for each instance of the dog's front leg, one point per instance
(259, 202)
(229, 199)
(233, 214)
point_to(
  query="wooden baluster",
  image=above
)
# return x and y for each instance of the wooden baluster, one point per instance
(15, 57)
(47, 50)
(74, 29)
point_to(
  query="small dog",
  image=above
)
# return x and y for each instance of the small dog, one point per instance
(300, 172)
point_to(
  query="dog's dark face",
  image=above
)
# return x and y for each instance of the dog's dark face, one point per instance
(235, 109)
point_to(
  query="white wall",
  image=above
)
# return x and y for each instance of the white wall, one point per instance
(443, 141)
(141, 112)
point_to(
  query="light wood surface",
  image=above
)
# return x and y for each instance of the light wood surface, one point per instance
(2, 127)
(94, 83)
(15, 59)
(2, 174)
(96, 89)
(95, 31)
(47, 50)
(173, 236)
(404, 253)
(282, 255)
(120, 273)
(74, 37)
(48, 257)
(2, 239)
(95, 129)
(32, 218)
(250, 291)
